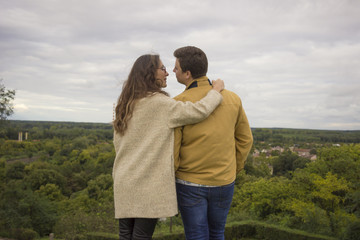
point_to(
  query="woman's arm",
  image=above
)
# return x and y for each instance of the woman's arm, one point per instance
(184, 113)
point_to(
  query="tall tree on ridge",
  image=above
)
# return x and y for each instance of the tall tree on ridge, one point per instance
(6, 97)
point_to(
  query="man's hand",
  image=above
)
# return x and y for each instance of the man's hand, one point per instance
(218, 85)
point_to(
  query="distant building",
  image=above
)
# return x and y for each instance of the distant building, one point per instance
(20, 136)
(302, 152)
(305, 153)
(256, 153)
(277, 148)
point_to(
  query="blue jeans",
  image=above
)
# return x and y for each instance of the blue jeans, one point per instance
(204, 210)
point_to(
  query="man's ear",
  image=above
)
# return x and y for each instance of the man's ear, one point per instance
(188, 74)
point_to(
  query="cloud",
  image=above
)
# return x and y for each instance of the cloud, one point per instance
(21, 107)
(294, 64)
(55, 108)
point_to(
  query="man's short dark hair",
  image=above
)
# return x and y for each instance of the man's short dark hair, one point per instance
(192, 59)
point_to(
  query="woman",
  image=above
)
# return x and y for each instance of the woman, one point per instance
(143, 171)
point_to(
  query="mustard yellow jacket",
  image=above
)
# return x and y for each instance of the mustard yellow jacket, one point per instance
(213, 151)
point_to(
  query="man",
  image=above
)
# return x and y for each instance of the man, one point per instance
(207, 155)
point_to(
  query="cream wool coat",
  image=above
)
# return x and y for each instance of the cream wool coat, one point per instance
(143, 171)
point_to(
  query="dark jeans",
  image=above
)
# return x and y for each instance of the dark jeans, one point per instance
(136, 228)
(204, 210)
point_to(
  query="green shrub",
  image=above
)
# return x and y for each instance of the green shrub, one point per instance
(109, 236)
(239, 230)
(25, 234)
(174, 236)
(101, 236)
(352, 232)
(259, 230)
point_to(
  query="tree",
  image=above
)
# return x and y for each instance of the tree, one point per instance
(51, 191)
(15, 170)
(100, 188)
(318, 202)
(6, 97)
(283, 163)
(258, 167)
(21, 208)
(42, 177)
(262, 197)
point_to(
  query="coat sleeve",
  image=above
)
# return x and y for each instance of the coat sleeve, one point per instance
(243, 139)
(177, 145)
(184, 113)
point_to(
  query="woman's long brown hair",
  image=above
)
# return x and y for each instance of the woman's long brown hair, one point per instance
(141, 82)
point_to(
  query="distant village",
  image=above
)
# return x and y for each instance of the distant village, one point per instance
(302, 152)
(274, 151)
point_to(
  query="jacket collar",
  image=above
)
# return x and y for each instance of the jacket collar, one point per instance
(201, 81)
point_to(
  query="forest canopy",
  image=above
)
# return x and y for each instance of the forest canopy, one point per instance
(59, 180)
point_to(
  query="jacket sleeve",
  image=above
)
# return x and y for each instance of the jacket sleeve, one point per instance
(184, 113)
(177, 145)
(243, 139)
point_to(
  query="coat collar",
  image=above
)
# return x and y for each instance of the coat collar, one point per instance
(201, 81)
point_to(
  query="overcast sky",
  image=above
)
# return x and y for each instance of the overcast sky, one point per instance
(294, 63)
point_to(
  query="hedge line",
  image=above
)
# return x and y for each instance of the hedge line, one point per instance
(109, 236)
(260, 230)
(236, 230)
